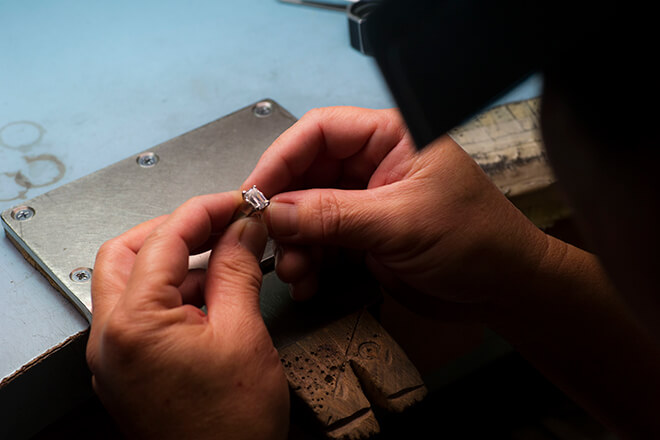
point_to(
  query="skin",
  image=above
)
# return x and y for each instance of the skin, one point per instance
(613, 186)
(162, 367)
(468, 253)
(431, 227)
(393, 219)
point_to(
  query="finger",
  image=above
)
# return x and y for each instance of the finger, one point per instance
(292, 263)
(113, 265)
(208, 244)
(306, 287)
(233, 277)
(299, 266)
(354, 219)
(361, 137)
(134, 237)
(162, 263)
(192, 288)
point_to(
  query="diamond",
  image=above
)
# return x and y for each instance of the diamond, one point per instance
(255, 198)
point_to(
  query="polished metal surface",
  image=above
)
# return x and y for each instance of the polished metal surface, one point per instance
(332, 6)
(357, 24)
(63, 229)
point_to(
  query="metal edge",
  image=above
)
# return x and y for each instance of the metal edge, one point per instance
(267, 264)
(60, 286)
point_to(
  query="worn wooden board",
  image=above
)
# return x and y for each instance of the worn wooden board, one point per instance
(341, 371)
(506, 142)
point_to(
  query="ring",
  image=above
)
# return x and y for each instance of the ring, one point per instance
(254, 202)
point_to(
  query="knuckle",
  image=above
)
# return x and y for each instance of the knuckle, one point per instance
(314, 114)
(108, 249)
(396, 127)
(239, 272)
(115, 333)
(194, 202)
(156, 235)
(121, 338)
(328, 215)
(193, 207)
(92, 358)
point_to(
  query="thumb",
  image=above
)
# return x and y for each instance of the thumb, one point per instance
(233, 277)
(354, 219)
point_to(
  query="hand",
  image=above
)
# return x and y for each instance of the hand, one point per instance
(163, 367)
(434, 227)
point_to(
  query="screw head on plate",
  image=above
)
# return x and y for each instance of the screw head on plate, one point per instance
(262, 109)
(22, 213)
(81, 275)
(147, 160)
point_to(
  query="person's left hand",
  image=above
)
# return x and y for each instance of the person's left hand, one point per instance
(161, 366)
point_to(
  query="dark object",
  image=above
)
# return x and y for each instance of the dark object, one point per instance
(446, 60)
(357, 24)
(357, 13)
(330, 6)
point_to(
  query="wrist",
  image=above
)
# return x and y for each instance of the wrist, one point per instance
(530, 273)
(560, 271)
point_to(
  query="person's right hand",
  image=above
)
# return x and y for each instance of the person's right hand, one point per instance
(434, 227)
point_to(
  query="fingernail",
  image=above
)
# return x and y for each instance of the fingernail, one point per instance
(283, 219)
(253, 237)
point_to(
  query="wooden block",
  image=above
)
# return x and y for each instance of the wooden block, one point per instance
(389, 379)
(506, 142)
(340, 370)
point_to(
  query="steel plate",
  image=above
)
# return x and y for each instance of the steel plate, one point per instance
(62, 230)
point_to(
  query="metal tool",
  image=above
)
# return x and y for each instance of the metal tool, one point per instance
(341, 6)
(357, 13)
(357, 24)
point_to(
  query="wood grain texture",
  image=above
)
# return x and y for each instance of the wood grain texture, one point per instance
(506, 142)
(343, 369)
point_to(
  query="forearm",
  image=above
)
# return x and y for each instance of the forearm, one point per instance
(571, 323)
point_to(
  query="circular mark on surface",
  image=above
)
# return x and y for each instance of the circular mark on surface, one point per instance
(368, 350)
(22, 213)
(9, 189)
(20, 135)
(81, 275)
(46, 166)
(148, 159)
(263, 109)
(42, 170)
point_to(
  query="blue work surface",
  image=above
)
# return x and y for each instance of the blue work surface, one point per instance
(86, 84)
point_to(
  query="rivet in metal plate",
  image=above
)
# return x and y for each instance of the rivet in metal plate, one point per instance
(147, 160)
(22, 213)
(81, 275)
(263, 109)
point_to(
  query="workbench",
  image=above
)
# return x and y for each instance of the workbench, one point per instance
(84, 85)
